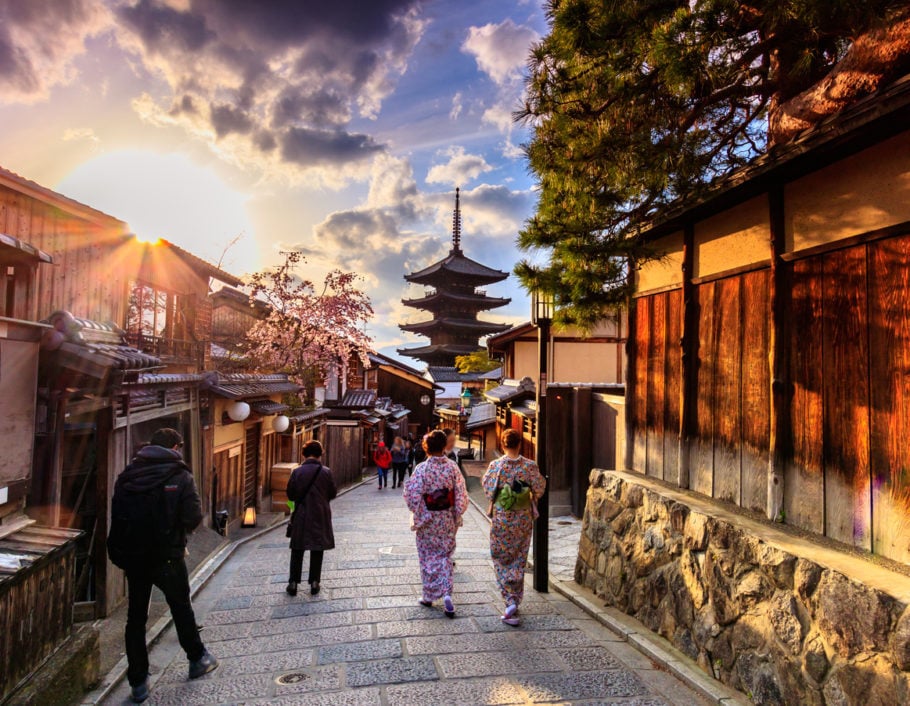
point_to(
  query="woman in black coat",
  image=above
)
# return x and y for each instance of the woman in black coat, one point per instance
(311, 487)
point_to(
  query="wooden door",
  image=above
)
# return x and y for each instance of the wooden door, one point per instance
(251, 466)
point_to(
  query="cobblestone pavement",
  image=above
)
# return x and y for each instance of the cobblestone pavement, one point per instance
(365, 640)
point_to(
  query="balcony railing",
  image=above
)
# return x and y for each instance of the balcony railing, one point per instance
(168, 349)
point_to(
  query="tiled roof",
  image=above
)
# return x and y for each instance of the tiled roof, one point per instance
(457, 265)
(482, 415)
(267, 407)
(445, 322)
(357, 399)
(510, 390)
(481, 301)
(525, 410)
(307, 416)
(442, 348)
(244, 386)
(168, 378)
(447, 373)
(95, 348)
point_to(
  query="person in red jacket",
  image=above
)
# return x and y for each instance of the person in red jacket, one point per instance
(382, 457)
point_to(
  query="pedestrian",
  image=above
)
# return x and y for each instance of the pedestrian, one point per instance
(437, 497)
(155, 505)
(311, 488)
(512, 476)
(383, 460)
(399, 462)
(420, 452)
(452, 453)
(409, 447)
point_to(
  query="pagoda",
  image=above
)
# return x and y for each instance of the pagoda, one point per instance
(454, 300)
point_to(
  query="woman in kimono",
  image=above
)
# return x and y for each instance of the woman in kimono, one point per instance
(437, 496)
(510, 534)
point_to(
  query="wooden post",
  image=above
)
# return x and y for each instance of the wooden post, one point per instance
(582, 447)
(630, 378)
(688, 359)
(779, 346)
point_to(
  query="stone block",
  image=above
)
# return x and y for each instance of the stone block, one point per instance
(806, 575)
(815, 660)
(851, 617)
(778, 565)
(633, 495)
(871, 680)
(900, 641)
(678, 514)
(784, 618)
(695, 531)
(759, 678)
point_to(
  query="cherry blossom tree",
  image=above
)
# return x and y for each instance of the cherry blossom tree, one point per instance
(310, 328)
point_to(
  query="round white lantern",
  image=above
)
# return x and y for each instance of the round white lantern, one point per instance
(281, 423)
(238, 410)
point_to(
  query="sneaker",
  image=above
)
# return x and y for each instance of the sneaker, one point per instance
(203, 665)
(292, 588)
(140, 692)
(449, 606)
(510, 617)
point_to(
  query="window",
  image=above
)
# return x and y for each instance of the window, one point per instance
(156, 313)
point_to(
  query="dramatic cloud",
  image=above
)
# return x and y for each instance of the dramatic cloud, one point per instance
(460, 169)
(274, 84)
(501, 50)
(39, 40)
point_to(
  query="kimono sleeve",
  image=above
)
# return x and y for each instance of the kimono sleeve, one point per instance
(491, 479)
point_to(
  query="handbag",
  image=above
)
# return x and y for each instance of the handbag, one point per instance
(515, 496)
(287, 532)
(440, 499)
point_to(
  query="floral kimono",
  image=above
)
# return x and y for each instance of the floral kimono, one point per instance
(510, 535)
(436, 529)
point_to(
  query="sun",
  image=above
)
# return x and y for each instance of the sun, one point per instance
(169, 197)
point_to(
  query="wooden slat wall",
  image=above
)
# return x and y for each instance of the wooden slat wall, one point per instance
(655, 393)
(756, 389)
(845, 397)
(639, 391)
(672, 384)
(726, 341)
(701, 452)
(889, 345)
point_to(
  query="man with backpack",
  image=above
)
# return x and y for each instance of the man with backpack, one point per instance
(155, 505)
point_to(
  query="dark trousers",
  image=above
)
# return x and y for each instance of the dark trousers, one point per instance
(173, 580)
(398, 471)
(315, 565)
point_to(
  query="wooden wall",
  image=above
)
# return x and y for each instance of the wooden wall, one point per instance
(845, 378)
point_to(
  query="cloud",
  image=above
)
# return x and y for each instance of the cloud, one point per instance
(75, 134)
(274, 85)
(501, 50)
(457, 106)
(39, 39)
(460, 169)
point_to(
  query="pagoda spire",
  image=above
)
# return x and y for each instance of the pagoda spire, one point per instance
(456, 223)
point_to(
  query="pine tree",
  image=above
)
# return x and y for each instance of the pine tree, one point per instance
(636, 104)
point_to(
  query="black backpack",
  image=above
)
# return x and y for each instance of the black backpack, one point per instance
(140, 534)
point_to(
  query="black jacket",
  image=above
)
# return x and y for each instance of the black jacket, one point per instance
(311, 523)
(154, 466)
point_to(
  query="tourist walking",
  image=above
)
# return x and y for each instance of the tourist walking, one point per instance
(399, 462)
(311, 488)
(452, 453)
(513, 484)
(437, 497)
(383, 460)
(155, 505)
(409, 447)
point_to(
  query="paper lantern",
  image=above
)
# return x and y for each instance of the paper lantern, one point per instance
(238, 410)
(281, 423)
(249, 517)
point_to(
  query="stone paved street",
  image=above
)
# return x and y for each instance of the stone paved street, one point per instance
(365, 640)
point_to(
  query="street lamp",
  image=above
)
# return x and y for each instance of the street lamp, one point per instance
(542, 305)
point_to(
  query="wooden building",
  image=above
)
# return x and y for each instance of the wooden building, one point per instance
(405, 386)
(454, 298)
(788, 287)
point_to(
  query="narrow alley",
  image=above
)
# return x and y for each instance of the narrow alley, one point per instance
(365, 640)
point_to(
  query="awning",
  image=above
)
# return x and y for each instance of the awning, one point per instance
(524, 411)
(98, 360)
(242, 387)
(268, 407)
(398, 414)
(371, 421)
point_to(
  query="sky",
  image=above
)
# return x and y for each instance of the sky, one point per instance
(240, 129)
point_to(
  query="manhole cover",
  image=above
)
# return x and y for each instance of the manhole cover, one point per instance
(563, 522)
(292, 678)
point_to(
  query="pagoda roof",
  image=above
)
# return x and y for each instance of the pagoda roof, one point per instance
(438, 350)
(442, 297)
(457, 266)
(470, 325)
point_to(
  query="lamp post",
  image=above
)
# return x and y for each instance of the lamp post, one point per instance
(541, 316)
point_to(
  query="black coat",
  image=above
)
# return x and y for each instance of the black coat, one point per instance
(311, 522)
(154, 466)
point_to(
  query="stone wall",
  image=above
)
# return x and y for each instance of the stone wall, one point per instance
(782, 618)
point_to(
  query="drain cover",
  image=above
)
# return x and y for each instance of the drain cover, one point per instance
(563, 522)
(292, 678)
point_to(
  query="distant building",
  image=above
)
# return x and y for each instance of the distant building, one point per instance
(453, 300)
